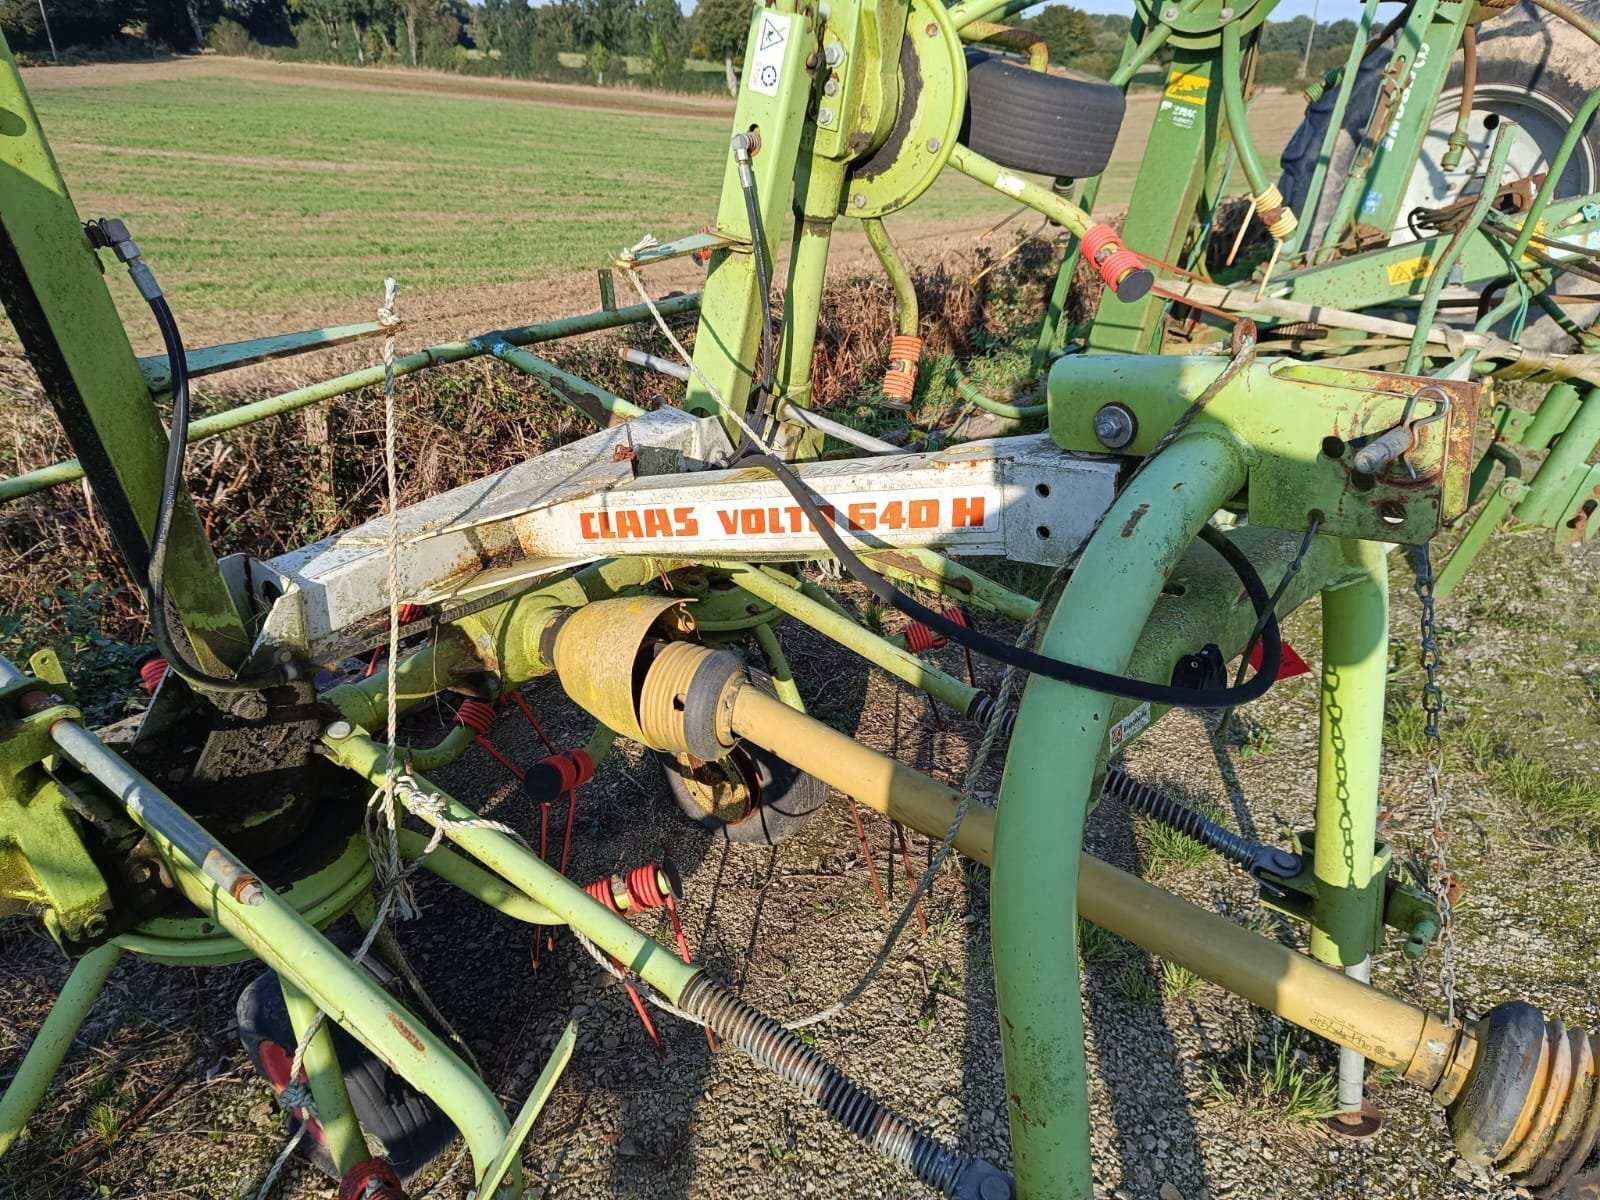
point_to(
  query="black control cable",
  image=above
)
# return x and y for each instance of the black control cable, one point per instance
(113, 234)
(1039, 664)
(744, 144)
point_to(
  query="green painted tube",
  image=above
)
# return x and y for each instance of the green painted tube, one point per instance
(441, 754)
(1319, 174)
(1056, 752)
(326, 1078)
(905, 294)
(1041, 199)
(1553, 173)
(930, 569)
(484, 886)
(288, 944)
(1355, 663)
(592, 401)
(1553, 415)
(778, 667)
(768, 585)
(600, 744)
(1474, 540)
(1439, 272)
(657, 964)
(419, 677)
(54, 1039)
(445, 352)
(1233, 104)
(1550, 489)
(969, 392)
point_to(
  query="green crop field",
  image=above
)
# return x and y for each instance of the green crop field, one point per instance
(269, 195)
(263, 197)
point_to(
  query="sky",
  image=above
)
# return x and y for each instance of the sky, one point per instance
(1327, 10)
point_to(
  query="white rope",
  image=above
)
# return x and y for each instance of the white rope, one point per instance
(617, 973)
(627, 256)
(383, 839)
(385, 847)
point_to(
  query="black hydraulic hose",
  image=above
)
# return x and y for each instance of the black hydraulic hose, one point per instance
(1039, 664)
(758, 239)
(112, 234)
(783, 1053)
(172, 479)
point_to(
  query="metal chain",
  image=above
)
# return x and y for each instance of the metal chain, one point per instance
(1432, 706)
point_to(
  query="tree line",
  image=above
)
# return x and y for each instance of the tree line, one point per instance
(650, 43)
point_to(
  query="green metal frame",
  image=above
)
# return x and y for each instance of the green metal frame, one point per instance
(1273, 444)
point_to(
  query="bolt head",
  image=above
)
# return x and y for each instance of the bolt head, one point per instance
(933, 145)
(831, 88)
(860, 200)
(825, 116)
(833, 54)
(933, 29)
(1169, 13)
(1115, 426)
(339, 730)
(1225, 15)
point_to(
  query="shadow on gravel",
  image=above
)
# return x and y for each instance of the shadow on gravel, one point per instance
(1137, 1052)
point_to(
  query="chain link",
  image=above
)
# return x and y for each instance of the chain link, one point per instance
(1439, 882)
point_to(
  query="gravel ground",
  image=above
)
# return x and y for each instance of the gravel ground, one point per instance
(159, 1075)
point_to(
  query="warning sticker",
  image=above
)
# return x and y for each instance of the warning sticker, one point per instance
(1191, 89)
(766, 65)
(1127, 727)
(1409, 270)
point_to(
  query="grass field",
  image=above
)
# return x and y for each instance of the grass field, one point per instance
(274, 197)
(261, 190)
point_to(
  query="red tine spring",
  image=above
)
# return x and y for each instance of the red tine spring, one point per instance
(151, 672)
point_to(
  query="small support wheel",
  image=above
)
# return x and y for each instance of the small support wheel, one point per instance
(409, 1127)
(750, 796)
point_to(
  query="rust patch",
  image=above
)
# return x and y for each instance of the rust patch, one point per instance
(405, 1032)
(1134, 519)
(623, 454)
(911, 566)
(1016, 1103)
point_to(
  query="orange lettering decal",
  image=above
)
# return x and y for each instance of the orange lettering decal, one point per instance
(628, 524)
(924, 514)
(730, 520)
(586, 525)
(655, 523)
(863, 516)
(752, 520)
(686, 525)
(966, 512)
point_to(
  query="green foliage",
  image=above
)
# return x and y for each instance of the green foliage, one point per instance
(721, 26)
(1166, 847)
(1095, 945)
(1134, 984)
(1068, 32)
(68, 620)
(1284, 1087)
(1178, 983)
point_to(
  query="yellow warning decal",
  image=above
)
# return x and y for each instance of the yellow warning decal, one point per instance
(1410, 270)
(1188, 89)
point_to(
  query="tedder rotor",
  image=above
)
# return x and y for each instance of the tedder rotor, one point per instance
(1217, 449)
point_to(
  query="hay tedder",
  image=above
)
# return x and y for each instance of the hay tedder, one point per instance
(1228, 438)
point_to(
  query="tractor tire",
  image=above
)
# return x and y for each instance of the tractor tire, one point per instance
(1532, 69)
(1043, 124)
(405, 1126)
(774, 799)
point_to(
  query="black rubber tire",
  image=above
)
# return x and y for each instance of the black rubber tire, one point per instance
(1524, 51)
(1043, 124)
(407, 1128)
(787, 797)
